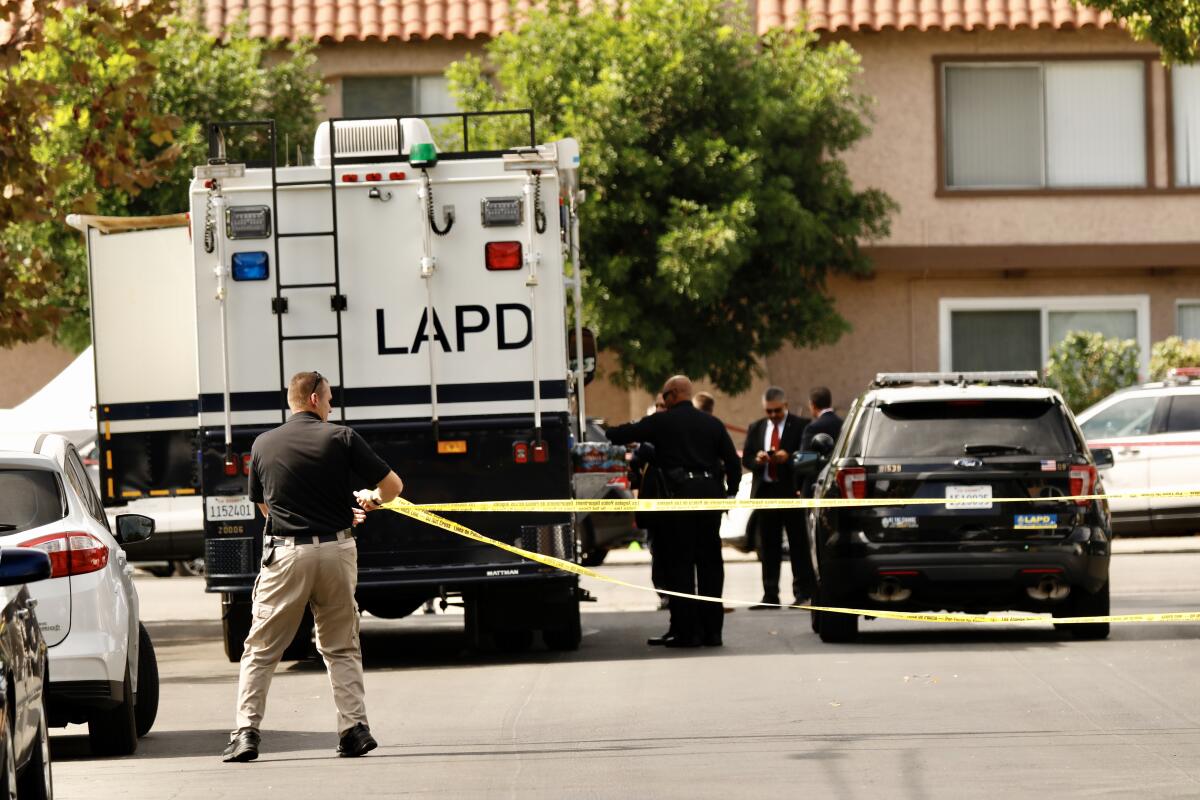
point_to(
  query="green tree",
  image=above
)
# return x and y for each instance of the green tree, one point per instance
(1085, 367)
(1172, 25)
(717, 205)
(80, 71)
(195, 78)
(1173, 352)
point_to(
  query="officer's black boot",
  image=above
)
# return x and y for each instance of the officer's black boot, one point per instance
(356, 742)
(243, 746)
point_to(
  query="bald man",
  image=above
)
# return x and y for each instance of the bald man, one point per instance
(697, 460)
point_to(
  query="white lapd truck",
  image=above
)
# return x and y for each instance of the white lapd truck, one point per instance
(428, 287)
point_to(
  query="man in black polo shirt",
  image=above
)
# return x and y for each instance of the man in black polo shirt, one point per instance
(697, 460)
(301, 477)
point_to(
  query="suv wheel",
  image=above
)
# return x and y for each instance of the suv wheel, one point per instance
(834, 628)
(1083, 604)
(145, 707)
(113, 732)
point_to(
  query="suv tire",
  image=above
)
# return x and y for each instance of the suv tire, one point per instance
(834, 628)
(114, 732)
(145, 706)
(1084, 604)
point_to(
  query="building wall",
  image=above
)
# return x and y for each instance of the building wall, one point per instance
(26, 368)
(386, 58)
(900, 156)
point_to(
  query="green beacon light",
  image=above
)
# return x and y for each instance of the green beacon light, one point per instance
(422, 152)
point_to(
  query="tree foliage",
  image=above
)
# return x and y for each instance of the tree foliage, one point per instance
(1172, 25)
(118, 130)
(1085, 367)
(1173, 352)
(716, 201)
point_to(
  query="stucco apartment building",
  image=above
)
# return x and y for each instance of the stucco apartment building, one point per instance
(1042, 161)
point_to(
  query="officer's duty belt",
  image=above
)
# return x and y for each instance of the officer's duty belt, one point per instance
(277, 540)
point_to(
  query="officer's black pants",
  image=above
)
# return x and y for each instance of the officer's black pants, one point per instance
(691, 556)
(654, 538)
(771, 525)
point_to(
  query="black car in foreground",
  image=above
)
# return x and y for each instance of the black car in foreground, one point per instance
(24, 734)
(968, 441)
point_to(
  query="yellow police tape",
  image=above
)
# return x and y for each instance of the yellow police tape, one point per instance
(423, 513)
(727, 504)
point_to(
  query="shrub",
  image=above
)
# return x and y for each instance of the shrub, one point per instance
(1173, 352)
(1085, 367)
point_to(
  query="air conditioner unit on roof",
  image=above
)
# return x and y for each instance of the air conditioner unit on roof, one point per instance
(381, 139)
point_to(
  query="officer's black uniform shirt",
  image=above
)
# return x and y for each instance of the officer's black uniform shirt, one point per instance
(687, 438)
(303, 471)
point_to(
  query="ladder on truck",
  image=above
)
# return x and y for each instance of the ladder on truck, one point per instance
(279, 303)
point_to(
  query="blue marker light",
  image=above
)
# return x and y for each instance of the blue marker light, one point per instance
(252, 266)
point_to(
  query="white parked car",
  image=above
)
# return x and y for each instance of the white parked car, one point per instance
(102, 665)
(737, 525)
(1154, 433)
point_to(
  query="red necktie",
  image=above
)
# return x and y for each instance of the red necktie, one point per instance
(774, 446)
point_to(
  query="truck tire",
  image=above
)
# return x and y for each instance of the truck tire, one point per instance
(1082, 603)
(145, 707)
(302, 645)
(235, 627)
(113, 732)
(567, 636)
(594, 557)
(513, 641)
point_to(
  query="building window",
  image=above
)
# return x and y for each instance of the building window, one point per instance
(1052, 124)
(1187, 319)
(1185, 110)
(396, 95)
(1008, 333)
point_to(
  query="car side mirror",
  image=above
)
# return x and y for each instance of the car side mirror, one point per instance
(1103, 456)
(806, 463)
(20, 565)
(822, 443)
(133, 528)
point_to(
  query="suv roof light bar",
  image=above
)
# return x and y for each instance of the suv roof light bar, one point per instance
(1181, 376)
(1013, 378)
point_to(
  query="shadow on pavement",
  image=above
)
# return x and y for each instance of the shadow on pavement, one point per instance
(191, 744)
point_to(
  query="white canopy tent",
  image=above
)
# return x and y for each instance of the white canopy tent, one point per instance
(66, 405)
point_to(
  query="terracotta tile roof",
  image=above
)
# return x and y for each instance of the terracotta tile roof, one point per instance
(405, 20)
(364, 20)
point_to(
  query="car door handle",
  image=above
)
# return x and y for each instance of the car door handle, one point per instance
(1129, 451)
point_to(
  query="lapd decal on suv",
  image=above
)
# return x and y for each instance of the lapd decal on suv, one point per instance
(1027, 522)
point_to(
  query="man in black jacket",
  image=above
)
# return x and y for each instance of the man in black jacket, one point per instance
(767, 453)
(697, 459)
(825, 420)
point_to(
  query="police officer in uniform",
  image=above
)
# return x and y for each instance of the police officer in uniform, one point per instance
(300, 477)
(697, 460)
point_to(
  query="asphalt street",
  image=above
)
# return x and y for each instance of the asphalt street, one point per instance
(910, 711)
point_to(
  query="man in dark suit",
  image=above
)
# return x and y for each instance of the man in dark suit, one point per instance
(825, 420)
(697, 460)
(770, 443)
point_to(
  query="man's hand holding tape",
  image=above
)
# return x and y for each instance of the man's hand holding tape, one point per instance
(387, 491)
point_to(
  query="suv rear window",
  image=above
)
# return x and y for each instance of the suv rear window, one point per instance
(950, 427)
(29, 498)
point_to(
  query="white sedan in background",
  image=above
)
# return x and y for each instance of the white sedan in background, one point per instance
(102, 666)
(1154, 433)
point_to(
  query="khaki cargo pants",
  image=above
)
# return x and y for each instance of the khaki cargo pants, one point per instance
(321, 575)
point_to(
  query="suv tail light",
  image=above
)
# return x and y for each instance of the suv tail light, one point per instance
(1082, 481)
(853, 482)
(72, 553)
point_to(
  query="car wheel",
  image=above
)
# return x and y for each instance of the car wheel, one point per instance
(1085, 604)
(145, 707)
(8, 781)
(192, 566)
(37, 782)
(834, 628)
(114, 732)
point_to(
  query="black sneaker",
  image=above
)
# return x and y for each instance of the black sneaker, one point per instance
(357, 741)
(243, 746)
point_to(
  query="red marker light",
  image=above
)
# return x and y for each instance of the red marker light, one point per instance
(502, 255)
(521, 452)
(374, 176)
(349, 177)
(541, 452)
(396, 176)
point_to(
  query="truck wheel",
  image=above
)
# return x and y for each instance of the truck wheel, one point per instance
(235, 627)
(513, 641)
(568, 634)
(1084, 604)
(145, 708)
(594, 557)
(114, 732)
(302, 646)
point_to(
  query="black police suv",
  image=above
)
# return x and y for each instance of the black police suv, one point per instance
(968, 441)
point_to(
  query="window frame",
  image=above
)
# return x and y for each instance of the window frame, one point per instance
(943, 190)
(1180, 302)
(1138, 303)
(414, 77)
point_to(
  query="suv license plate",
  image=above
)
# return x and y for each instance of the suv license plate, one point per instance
(217, 509)
(969, 497)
